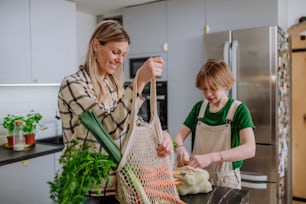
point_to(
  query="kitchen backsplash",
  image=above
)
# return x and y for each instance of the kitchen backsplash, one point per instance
(23, 99)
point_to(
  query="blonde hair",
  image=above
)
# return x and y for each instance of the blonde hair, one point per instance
(214, 74)
(107, 31)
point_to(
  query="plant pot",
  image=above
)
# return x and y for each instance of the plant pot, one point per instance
(10, 141)
(30, 139)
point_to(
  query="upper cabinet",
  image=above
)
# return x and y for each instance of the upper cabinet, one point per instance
(236, 14)
(147, 27)
(15, 56)
(39, 43)
(53, 40)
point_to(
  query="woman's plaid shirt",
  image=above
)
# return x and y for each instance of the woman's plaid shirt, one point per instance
(77, 95)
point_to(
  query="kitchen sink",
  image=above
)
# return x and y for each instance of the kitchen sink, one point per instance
(56, 140)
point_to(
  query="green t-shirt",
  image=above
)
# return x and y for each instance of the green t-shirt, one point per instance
(242, 119)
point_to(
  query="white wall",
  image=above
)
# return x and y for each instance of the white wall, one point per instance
(296, 9)
(23, 99)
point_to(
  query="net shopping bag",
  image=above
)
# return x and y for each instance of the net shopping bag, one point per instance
(142, 176)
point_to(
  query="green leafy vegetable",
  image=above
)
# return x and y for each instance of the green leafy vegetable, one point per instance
(81, 170)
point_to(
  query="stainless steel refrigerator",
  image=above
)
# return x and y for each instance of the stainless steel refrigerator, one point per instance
(258, 58)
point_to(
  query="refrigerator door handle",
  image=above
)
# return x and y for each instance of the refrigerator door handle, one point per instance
(234, 67)
(253, 176)
(254, 185)
(226, 50)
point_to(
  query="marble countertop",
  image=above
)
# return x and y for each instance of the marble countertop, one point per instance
(8, 156)
(219, 195)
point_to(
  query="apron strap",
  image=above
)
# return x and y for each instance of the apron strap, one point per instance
(202, 110)
(230, 114)
(232, 110)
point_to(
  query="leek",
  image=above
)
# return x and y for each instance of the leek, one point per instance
(91, 121)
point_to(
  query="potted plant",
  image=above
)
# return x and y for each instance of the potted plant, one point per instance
(31, 123)
(8, 123)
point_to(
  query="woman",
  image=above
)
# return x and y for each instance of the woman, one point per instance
(221, 127)
(98, 86)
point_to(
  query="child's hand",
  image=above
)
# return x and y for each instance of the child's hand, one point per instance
(182, 156)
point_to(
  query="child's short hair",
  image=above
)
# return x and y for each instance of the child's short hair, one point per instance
(214, 74)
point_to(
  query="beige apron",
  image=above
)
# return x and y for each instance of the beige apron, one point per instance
(214, 139)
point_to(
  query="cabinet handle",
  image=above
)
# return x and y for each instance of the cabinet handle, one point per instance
(165, 47)
(26, 162)
(304, 117)
(206, 29)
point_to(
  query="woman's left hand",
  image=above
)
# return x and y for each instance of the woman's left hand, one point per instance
(166, 147)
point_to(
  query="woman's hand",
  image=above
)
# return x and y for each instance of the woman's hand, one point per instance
(152, 68)
(166, 147)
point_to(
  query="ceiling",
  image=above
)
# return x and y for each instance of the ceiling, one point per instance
(106, 7)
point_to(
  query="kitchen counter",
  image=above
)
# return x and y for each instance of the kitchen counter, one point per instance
(8, 156)
(219, 195)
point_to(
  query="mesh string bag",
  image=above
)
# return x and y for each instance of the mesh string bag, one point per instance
(143, 177)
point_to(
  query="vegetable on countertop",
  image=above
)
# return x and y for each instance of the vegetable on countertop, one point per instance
(192, 180)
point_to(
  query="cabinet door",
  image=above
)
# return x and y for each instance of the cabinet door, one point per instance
(298, 123)
(53, 40)
(146, 25)
(15, 64)
(26, 182)
(224, 15)
(185, 57)
(57, 165)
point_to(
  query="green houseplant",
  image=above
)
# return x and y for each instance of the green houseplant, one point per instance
(8, 123)
(31, 123)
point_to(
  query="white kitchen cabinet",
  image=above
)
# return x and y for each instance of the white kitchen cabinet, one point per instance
(53, 40)
(57, 166)
(26, 181)
(39, 42)
(15, 56)
(147, 27)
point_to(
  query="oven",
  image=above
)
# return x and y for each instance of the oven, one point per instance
(161, 103)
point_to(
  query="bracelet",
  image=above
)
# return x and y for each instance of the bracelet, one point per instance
(175, 145)
(221, 157)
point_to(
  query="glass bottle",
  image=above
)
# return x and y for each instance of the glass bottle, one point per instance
(18, 136)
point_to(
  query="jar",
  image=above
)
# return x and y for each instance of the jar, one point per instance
(18, 136)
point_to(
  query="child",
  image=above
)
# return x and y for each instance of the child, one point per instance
(221, 127)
